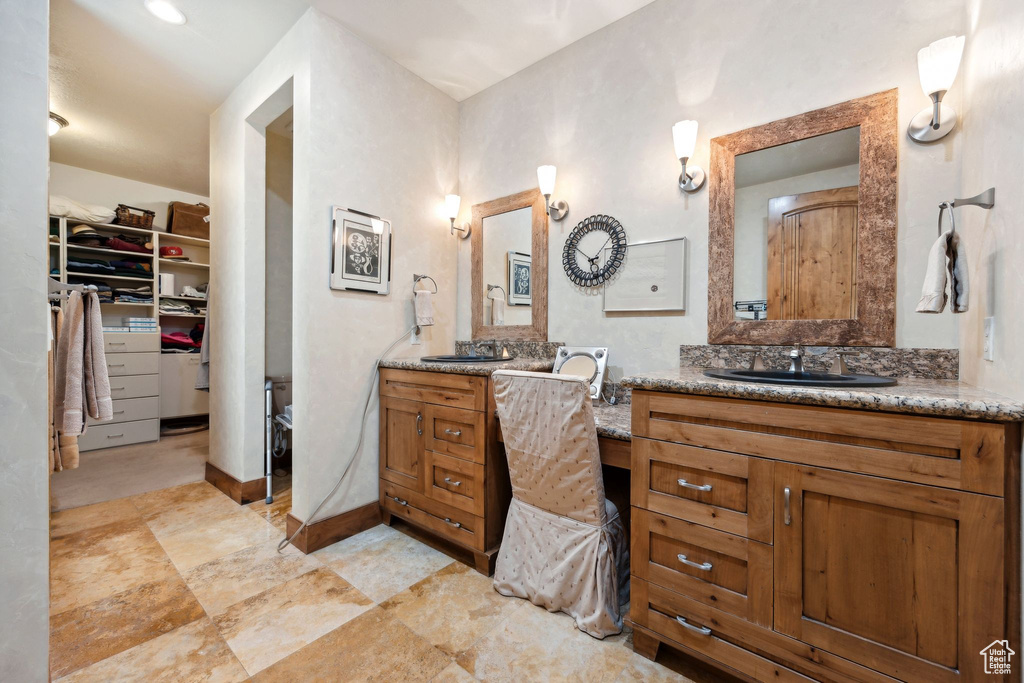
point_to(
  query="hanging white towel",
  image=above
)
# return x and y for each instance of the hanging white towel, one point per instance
(959, 287)
(424, 305)
(497, 311)
(933, 293)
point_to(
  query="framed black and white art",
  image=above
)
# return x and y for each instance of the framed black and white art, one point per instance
(520, 279)
(360, 252)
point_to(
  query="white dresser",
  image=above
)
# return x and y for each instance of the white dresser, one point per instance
(133, 365)
(178, 394)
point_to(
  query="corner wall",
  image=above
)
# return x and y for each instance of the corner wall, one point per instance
(24, 475)
(602, 110)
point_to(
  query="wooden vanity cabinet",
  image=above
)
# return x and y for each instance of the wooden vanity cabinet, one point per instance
(778, 541)
(442, 467)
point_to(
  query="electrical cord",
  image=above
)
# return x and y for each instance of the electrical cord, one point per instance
(359, 442)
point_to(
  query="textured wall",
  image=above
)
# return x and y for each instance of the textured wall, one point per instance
(993, 79)
(24, 476)
(602, 110)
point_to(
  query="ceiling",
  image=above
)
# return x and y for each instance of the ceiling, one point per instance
(138, 93)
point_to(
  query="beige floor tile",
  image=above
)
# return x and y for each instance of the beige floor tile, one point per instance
(534, 644)
(453, 673)
(169, 511)
(209, 540)
(276, 512)
(452, 608)
(267, 627)
(95, 563)
(381, 561)
(248, 572)
(372, 647)
(191, 653)
(93, 632)
(74, 520)
(639, 668)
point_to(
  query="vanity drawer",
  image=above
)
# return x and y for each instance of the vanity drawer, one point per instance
(455, 482)
(133, 364)
(721, 490)
(456, 432)
(721, 570)
(444, 520)
(134, 386)
(131, 409)
(130, 342)
(108, 435)
(459, 391)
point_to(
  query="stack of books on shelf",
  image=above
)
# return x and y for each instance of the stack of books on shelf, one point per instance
(133, 325)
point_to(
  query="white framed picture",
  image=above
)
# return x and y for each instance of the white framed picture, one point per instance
(360, 252)
(520, 279)
(653, 278)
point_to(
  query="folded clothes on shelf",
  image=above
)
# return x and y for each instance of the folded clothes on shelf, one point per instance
(118, 267)
(193, 292)
(139, 295)
(179, 342)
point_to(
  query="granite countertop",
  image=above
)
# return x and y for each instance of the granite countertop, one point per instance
(613, 421)
(942, 397)
(527, 364)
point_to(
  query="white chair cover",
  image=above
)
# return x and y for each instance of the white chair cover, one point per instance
(564, 547)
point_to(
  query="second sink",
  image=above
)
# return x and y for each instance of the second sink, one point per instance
(806, 379)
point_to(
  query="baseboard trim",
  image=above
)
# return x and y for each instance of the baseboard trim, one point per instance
(333, 529)
(242, 492)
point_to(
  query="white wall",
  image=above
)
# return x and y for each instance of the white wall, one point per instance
(993, 143)
(602, 110)
(24, 475)
(278, 319)
(108, 190)
(368, 135)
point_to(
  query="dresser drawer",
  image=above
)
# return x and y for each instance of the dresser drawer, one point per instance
(444, 520)
(455, 482)
(133, 364)
(130, 342)
(458, 391)
(131, 409)
(718, 569)
(178, 394)
(134, 386)
(721, 490)
(456, 432)
(108, 435)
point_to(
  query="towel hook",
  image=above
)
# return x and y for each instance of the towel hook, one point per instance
(943, 207)
(985, 200)
(493, 287)
(416, 278)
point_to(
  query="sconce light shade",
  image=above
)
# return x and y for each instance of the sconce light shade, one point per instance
(937, 65)
(546, 179)
(684, 135)
(452, 202)
(56, 123)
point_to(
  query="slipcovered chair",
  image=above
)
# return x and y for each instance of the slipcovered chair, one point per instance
(564, 547)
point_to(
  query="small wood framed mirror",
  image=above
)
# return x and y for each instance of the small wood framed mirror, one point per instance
(802, 233)
(510, 268)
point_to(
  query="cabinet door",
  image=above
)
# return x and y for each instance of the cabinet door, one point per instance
(903, 578)
(401, 442)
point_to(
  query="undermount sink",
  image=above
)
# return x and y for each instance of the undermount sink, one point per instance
(805, 379)
(462, 359)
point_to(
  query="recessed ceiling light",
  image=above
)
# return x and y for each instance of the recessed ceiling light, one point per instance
(165, 11)
(56, 123)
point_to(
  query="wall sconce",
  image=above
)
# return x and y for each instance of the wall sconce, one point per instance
(937, 65)
(452, 202)
(56, 123)
(684, 136)
(546, 180)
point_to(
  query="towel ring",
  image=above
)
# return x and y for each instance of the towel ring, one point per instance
(943, 207)
(417, 278)
(490, 288)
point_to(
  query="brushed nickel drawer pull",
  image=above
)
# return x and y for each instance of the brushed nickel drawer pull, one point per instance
(695, 487)
(115, 365)
(448, 480)
(117, 388)
(703, 630)
(399, 500)
(457, 432)
(457, 525)
(703, 566)
(419, 424)
(115, 436)
(787, 518)
(113, 343)
(118, 412)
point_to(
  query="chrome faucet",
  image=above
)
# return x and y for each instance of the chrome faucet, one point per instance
(796, 359)
(839, 366)
(491, 346)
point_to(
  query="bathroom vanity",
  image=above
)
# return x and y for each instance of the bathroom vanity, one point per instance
(783, 532)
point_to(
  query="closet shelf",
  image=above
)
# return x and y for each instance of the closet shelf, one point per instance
(101, 250)
(93, 276)
(170, 237)
(182, 315)
(133, 304)
(187, 298)
(109, 226)
(189, 264)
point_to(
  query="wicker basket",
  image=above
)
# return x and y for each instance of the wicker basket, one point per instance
(134, 217)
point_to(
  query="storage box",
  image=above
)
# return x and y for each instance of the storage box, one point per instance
(191, 220)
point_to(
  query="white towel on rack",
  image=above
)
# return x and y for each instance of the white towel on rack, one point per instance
(424, 305)
(959, 286)
(948, 255)
(498, 311)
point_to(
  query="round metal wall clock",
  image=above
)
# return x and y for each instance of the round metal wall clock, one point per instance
(585, 269)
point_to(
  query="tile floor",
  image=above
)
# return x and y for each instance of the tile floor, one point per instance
(182, 584)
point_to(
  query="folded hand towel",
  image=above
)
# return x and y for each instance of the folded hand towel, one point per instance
(97, 383)
(424, 305)
(933, 293)
(959, 289)
(497, 311)
(69, 398)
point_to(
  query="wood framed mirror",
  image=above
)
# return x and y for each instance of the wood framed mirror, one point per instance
(802, 228)
(510, 268)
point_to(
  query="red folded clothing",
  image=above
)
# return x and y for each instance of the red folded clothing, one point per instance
(178, 340)
(118, 243)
